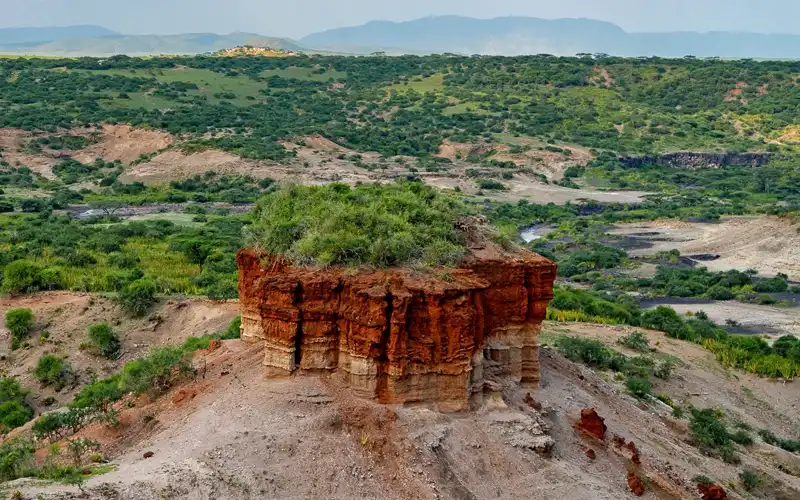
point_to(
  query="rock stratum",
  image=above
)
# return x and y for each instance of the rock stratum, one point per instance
(440, 338)
(698, 160)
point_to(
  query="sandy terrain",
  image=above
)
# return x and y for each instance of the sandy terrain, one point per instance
(770, 245)
(235, 435)
(67, 317)
(753, 318)
(124, 143)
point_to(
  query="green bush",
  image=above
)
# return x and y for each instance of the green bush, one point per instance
(20, 323)
(710, 435)
(55, 371)
(790, 445)
(234, 330)
(742, 437)
(639, 387)
(777, 284)
(382, 225)
(491, 185)
(104, 340)
(637, 341)
(22, 276)
(156, 372)
(751, 480)
(138, 297)
(14, 408)
(49, 426)
(663, 370)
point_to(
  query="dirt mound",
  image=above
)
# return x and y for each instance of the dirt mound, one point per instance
(124, 143)
(12, 150)
(62, 320)
(322, 144)
(175, 165)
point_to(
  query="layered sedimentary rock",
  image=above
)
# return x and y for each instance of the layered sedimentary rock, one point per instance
(698, 160)
(399, 336)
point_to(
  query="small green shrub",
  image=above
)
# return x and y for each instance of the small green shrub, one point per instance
(702, 480)
(234, 330)
(156, 372)
(742, 437)
(710, 435)
(20, 323)
(138, 297)
(491, 185)
(637, 341)
(49, 426)
(639, 387)
(663, 370)
(751, 480)
(104, 340)
(55, 371)
(790, 445)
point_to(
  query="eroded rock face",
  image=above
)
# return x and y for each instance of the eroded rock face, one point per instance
(698, 160)
(592, 424)
(397, 336)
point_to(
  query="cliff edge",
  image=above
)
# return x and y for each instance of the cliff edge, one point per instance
(398, 336)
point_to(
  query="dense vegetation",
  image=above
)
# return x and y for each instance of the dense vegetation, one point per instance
(382, 225)
(625, 105)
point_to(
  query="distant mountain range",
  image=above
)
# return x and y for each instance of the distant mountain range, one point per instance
(21, 36)
(527, 35)
(462, 35)
(97, 41)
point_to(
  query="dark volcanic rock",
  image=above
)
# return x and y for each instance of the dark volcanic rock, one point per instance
(698, 160)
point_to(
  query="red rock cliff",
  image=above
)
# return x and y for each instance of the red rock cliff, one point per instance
(397, 336)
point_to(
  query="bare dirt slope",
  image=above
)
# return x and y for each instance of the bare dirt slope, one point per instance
(755, 318)
(234, 435)
(65, 317)
(111, 143)
(124, 143)
(175, 165)
(770, 245)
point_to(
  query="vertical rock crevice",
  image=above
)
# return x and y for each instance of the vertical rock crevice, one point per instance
(382, 389)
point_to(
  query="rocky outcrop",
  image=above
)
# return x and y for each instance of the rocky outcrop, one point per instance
(591, 424)
(712, 492)
(399, 336)
(698, 160)
(635, 484)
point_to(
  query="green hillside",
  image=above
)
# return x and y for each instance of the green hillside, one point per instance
(409, 105)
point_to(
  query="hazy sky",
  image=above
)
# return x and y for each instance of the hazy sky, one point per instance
(296, 18)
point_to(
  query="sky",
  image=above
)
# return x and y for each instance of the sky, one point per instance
(296, 18)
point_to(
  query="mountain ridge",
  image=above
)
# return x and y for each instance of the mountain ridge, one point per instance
(26, 35)
(566, 36)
